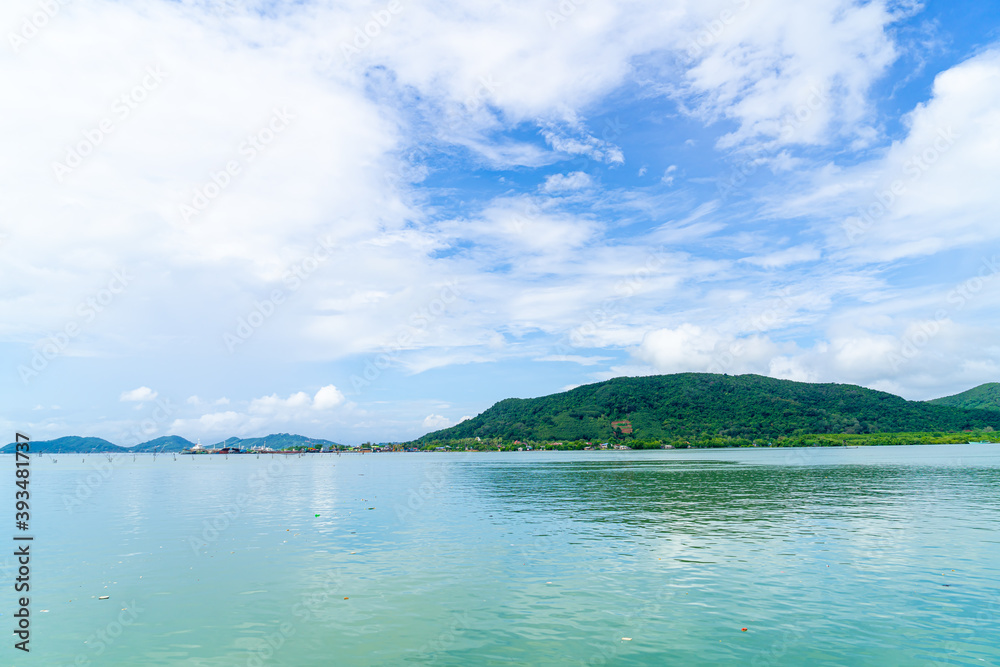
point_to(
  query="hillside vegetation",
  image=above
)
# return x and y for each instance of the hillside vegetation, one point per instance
(70, 444)
(278, 441)
(167, 444)
(983, 397)
(697, 407)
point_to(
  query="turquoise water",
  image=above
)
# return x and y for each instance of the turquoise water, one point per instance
(868, 556)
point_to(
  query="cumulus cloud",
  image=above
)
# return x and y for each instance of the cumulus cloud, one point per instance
(690, 347)
(274, 404)
(767, 66)
(434, 422)
(138, 395)
(267, 413)
(327, 398)
(903, 203)
(360, 268)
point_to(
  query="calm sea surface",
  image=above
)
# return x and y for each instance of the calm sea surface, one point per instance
(868, 556)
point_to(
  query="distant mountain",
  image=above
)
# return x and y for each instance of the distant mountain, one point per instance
(70, 444)
(276, 441)
(704, 405)
(167, 443)
(983, 397)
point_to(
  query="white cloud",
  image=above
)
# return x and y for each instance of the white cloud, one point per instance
(455, 87)
(273, 404)
(668, 175)
(214, 423)
(531, 73)
(327, 398)
(904, 204)
(782, 258)
(433, 421)
(690, 347)
(139, 395)
(769, 67)
(587, 145)
(576, 180)
(268, 413)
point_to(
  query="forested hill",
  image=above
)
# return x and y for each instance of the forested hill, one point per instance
(983, 397)
(703, 405)
(167, 444)
(69, 444)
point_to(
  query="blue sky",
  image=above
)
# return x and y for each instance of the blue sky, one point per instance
(364, 221)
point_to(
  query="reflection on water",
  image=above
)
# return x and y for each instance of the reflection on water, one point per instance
(864, 556)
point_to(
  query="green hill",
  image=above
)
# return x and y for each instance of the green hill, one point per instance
(167, 443)
(276, 441)
(700, 406)
(983, 397)
(70, 444)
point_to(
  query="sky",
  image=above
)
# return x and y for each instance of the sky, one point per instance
(366, 221)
